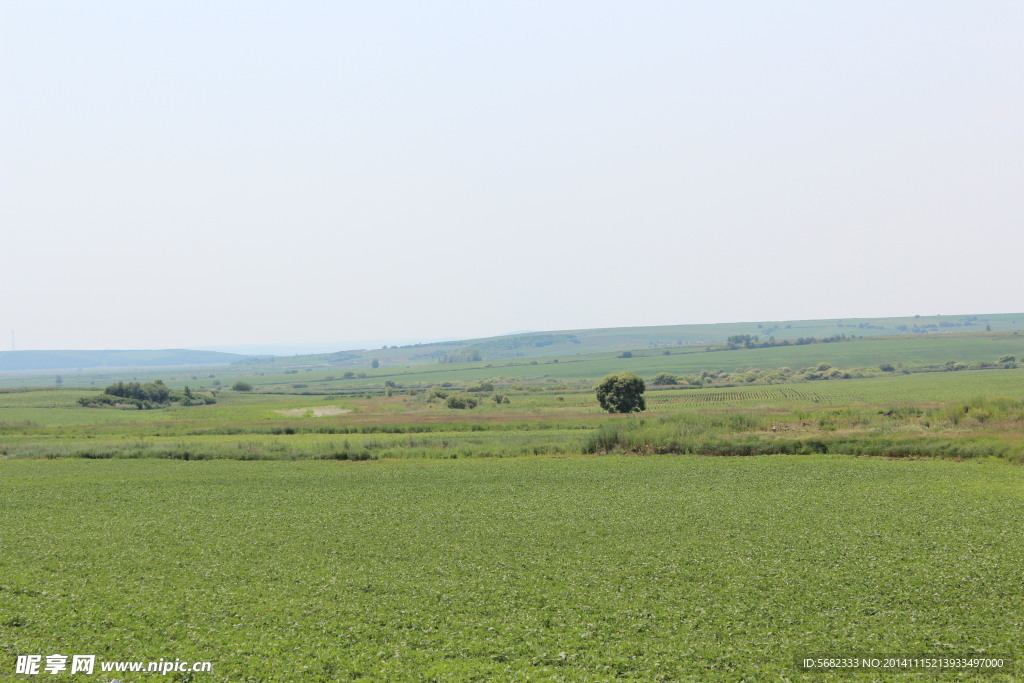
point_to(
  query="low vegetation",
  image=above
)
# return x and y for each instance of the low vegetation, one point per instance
(144, 396)
(959, 430)
(614, 568)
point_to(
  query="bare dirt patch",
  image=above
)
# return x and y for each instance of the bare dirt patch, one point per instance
(318, 411)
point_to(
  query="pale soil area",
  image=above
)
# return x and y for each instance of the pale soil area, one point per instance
(319, 411)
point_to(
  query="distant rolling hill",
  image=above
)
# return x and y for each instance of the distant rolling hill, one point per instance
(563, 343)
(578, 342)
(11, 361)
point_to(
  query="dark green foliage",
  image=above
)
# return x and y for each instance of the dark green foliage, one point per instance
(666, 379)
(747, 341)
(462, 356)
(190, 398)
(887, 367)
(241, 386)
(108, 401)
(155, 392)
(143, 396)
(744, 340)
(626, 354)
(481, 386)
(461, 402)
(622, 392)
(375, 363)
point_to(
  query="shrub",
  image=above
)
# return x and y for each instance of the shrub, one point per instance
(461, 402)
(241, 386)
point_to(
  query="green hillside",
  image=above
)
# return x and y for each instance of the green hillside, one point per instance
(677, 337)
(580, 355)
(916, 352)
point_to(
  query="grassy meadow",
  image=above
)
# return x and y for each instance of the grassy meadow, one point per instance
(323, 527)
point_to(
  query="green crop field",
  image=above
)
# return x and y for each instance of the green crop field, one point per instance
(323, 527)
(614, 568)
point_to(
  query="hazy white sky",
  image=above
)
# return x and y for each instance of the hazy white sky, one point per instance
(199, 173)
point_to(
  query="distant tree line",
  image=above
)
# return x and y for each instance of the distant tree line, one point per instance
(752, 341)
(461, 356)
(820, 371)
(932, 327)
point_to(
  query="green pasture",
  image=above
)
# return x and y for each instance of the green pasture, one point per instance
(579, 363)
(605, 340)
(552, 418)
(925, 388)
(589, 569)
(59, 408)
(909, 351)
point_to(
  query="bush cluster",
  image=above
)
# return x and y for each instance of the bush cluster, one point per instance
(144, 396)
(461, 402)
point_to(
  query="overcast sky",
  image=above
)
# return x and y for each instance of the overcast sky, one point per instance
(178, 174)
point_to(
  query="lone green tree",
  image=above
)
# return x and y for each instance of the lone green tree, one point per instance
(622, 392)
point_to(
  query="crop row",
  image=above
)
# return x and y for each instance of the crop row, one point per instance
(759, 394)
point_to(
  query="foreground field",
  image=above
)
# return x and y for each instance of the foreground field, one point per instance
(602, 568)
